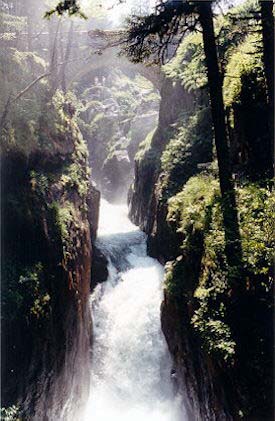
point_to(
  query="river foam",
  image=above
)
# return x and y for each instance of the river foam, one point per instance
(131, 365)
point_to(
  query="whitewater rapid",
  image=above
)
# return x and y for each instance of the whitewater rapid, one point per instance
(131, 365)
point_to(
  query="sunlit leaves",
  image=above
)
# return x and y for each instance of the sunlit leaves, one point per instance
(245, 65)
(197, 209)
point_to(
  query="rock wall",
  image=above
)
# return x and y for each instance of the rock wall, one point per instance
(202, 320)
(142, 199)
(148, 209)
(50, 215)
(150, 191)
(198, 378)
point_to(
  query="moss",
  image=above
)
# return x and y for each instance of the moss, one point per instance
(188, 65)
(39, 183)
(244, 68)
(190, 146)
(189, 207)
(145, 148)
(24, 293)
(64, 217)
(196, 211)
(33, 282)
(232, 30)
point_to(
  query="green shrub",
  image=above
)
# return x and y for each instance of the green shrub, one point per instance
(244, 71)
(24, 291)
(192, 145)
(145, 148)
(196, 211)
(188, 65)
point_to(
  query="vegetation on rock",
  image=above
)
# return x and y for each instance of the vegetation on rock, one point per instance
(222, 312)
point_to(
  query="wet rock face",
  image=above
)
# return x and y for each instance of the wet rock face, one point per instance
(116, 176)
(50, 219)
(99, 268)
(141, 125)
(198, 378)
(93, 201)
(144, 195)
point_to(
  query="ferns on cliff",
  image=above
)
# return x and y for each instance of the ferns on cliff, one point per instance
(196, 211)
(188, 66)
(189, 147)
(244, 71)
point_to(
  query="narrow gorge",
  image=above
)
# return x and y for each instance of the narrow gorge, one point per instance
(118, 299)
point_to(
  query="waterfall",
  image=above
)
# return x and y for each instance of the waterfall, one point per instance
(131, 365)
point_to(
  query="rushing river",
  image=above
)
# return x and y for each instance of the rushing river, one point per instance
(131, 365)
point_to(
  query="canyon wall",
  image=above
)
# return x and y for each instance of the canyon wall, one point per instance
(50, 215)
(221, 340)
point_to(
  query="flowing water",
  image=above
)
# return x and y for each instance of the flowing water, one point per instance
(131, 365)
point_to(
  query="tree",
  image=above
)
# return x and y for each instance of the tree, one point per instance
(153, 34)
(268, 57)
(230, 217)
(69, 6)
(268, 46)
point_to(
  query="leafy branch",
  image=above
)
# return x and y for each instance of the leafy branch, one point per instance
(71, 7)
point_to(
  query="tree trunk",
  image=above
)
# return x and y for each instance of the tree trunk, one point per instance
(230, 216)
(268, 59)
(54, 26)
(66, 57)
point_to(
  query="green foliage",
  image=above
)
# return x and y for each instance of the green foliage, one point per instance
(45, 191)
(107, 118)
(44, 197)
(24, 291)
(64, 218)
(192, 145)
(24, 58)
(39, 183)
(68, 225)
(11, 22)
(75, 177)
(215, 333)
(232, 29)
(18, 68)
(94, 9)
(188, 66)
(63, 113)
(32, 281)
(196, 211)
(244, 71)
(145, 149)
(143, 83)
(256, 215)
(189, 207)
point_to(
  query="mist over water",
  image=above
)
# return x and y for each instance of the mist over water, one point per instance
(131, 365)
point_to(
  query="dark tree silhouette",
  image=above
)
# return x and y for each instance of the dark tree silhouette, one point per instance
(71, 7)
(155, 34)
(267, 19)
(230, 217)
